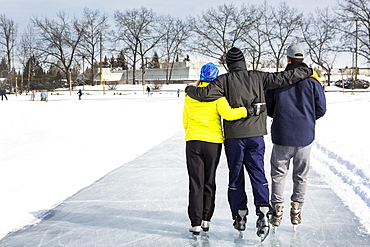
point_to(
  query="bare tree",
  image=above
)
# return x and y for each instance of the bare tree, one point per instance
(95, 25)
(28, 52)
(281, 24)
(354, 20)
(321, 38)
(253, 35)
(58, 41)
(217, 30)
(8, 34)
(138, 30)
(176, 33)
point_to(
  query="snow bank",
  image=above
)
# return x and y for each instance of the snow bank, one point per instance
(341, 148)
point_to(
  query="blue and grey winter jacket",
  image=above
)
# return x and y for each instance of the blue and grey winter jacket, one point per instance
(294, 110)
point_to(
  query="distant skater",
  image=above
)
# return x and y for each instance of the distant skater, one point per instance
(79, 94)
(43, 96)
(33, 95)
(3, 94)
(178, 92)
(148, 90)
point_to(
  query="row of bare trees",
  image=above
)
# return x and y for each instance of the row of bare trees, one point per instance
(263, 32)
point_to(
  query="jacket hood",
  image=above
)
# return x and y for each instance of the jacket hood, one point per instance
(239, 65)
(291, 66)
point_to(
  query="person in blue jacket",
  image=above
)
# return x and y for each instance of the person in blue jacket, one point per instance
(3, 94)
(43, 96)
(294, 110)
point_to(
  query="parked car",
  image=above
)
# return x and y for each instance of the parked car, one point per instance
(349, 84)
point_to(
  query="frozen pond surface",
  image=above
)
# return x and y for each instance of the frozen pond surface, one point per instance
(143, 203)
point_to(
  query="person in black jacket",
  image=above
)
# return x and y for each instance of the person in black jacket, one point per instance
(244, 143)
(294, 110)
(79, 93)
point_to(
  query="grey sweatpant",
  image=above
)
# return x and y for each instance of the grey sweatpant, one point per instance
(280, 162)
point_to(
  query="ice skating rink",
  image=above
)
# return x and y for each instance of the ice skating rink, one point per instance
(143, 203)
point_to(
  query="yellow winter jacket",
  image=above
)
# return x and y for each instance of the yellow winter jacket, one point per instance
(202, 120)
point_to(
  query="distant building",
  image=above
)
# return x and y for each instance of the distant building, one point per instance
(182, 73)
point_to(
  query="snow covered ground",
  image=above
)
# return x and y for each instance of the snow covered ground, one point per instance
(51, 150)
(341, 149)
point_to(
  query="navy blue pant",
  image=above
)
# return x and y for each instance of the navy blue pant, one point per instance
(248, 152)
(202, 159)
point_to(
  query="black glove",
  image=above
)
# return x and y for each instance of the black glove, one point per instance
(251, 111)
(256, 109)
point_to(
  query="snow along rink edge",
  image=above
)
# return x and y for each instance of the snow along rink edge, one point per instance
(346, 180)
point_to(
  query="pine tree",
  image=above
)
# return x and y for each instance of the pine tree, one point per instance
(112, 62)
(105, 62)
(34, 74)
(121, 60)
(4, 70)
(154, 64)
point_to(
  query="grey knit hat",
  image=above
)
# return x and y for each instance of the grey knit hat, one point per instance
(234, 55)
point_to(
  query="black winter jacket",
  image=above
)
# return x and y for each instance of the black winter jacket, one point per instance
(244, 87)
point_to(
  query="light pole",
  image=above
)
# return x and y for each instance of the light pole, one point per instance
(101, 63)
(70, 80)
(342, 71)
(83, 72)
(356, 54)
(16, 86)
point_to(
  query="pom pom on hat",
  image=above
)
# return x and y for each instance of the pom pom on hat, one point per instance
(234, 55)
(208, 72)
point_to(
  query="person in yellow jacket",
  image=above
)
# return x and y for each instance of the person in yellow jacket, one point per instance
(204, 138)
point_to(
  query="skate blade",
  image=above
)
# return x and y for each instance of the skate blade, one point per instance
(241, 234)
(274, 229)
(195, 237)
(264, 233)
(263, 237)
(295, 228)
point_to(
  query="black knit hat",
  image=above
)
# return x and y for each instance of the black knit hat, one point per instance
(234, 55)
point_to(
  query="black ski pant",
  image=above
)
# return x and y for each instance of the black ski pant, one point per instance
(4, 95)
(202, 159)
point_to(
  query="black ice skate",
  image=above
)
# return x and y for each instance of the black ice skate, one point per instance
(263, 223)
(240, 221)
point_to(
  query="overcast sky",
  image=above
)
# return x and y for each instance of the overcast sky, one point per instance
(22, 10)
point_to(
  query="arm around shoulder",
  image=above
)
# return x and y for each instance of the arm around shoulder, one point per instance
(206, 94)
(228, 113)
(285, 78)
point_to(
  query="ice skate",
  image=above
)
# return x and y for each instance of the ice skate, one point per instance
(240, 221)
(277, 216)
(263, 223)
(205, 225)
(195, 230)
(295, 215)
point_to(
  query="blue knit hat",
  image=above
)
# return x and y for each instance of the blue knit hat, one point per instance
(208, 72)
